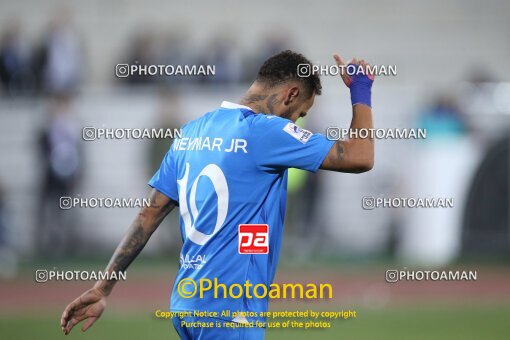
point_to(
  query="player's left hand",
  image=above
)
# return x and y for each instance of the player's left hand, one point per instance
(361, 63)
(89, 306)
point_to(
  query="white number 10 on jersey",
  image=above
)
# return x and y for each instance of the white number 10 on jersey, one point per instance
(217, 177)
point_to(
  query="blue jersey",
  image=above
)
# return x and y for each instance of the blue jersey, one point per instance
(229, 168)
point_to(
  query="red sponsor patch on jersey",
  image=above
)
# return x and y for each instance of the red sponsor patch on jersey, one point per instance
(253, 238)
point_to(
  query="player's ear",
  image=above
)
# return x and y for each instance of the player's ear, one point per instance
(291, 95)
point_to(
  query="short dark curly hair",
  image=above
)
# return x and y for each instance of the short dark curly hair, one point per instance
(283, 67)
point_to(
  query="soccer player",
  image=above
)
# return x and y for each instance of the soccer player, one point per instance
(229, 168)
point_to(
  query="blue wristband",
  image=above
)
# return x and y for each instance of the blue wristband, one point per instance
(361, 88)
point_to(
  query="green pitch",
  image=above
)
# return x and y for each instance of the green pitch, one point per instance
(431, 322)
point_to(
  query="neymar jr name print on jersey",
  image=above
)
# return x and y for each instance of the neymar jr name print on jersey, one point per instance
(210, 144)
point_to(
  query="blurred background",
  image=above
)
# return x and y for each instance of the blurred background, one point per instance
(57, 75)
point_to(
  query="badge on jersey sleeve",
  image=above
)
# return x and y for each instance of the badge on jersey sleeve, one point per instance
(298, 133)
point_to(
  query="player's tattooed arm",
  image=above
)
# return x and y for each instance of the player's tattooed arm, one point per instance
(90, 305)
(354, 155)
(145, 223)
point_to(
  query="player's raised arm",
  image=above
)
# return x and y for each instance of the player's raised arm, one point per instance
(354, 155)
(90, 305)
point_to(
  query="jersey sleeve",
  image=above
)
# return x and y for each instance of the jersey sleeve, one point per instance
(165, 179)
(278, 144)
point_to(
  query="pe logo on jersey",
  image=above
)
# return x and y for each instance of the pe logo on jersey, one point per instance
(253, 239)
(298, 133)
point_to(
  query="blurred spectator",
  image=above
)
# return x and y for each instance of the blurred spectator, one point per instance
(4, 239)
(173, 51)
(271, 43)
(15, 75)
(486, 222)
(141, 51)
(483, 93)
(8, 256)
(58, 61)
(443, 118)
(169, 112)
(61, 161)
(444, 167)
(223, 52)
